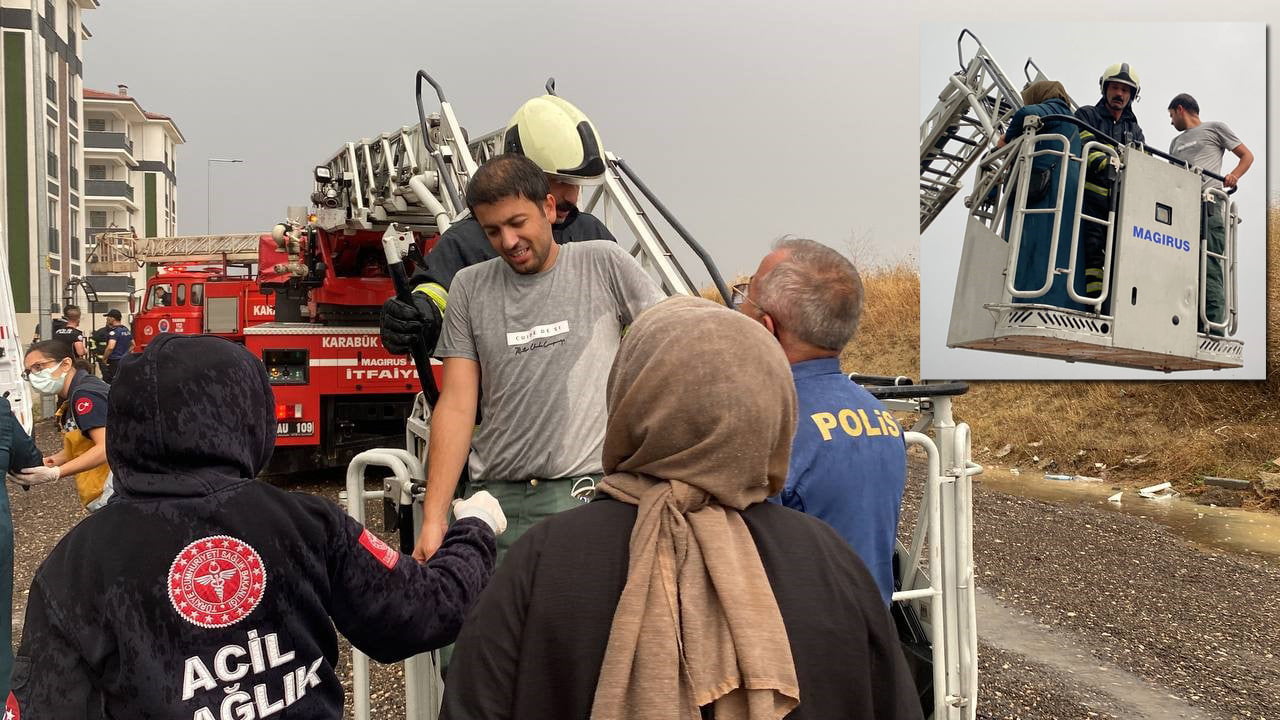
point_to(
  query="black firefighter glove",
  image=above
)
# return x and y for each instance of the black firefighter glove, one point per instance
(402, 323)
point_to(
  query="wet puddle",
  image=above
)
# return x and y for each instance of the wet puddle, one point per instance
(1224, 528)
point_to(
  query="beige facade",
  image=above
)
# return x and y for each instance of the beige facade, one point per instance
(130, 184)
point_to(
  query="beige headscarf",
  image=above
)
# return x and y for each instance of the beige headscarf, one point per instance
(1043, 90)
(702, 410)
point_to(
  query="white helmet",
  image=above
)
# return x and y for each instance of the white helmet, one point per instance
(558, 138)
(1121, 73)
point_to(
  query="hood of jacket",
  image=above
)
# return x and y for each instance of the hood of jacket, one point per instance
(189, 415)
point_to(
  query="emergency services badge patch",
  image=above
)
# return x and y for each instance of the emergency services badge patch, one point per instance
(216, 581)
(384, 553)
(83, 405)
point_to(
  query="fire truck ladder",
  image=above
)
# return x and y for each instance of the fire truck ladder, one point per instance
(972, 112)
(125, 247)
(415, 175)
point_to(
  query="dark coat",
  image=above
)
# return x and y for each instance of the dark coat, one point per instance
(533, 645)
(1123, 130)
(199, 588)
(1038, 229)
(17, 450)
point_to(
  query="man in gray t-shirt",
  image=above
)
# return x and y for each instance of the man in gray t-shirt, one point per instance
(530, 337)
(1202, 144)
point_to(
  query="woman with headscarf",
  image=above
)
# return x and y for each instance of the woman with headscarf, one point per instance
(678, 592)
(1043, 98)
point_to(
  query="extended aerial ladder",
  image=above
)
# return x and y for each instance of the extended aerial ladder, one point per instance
(1152, 309)
(972, 112)
(124, 247)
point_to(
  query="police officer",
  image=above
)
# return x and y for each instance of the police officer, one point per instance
(848, 458)
(119, 340)
(203, 593)
(70, 332)
(560, 139)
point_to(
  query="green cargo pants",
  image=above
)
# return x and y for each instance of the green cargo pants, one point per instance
(528, 502)
(1214, 230)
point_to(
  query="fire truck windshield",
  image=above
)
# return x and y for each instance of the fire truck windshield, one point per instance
(161, 295)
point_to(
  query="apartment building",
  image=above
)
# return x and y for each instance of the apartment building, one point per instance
(43, 214)
(131, 186)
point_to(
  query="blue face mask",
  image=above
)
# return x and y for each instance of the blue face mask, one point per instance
(45, 383)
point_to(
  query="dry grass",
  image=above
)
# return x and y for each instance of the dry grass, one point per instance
(1166, 430)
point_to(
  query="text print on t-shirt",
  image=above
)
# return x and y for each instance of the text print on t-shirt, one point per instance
(541, 333)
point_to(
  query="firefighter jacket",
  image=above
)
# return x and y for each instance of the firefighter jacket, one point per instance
(1124, 130)
(201, 593)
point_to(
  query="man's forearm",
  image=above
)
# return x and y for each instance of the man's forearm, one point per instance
(447, 453)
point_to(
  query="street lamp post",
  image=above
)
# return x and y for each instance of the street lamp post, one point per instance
(208, 209)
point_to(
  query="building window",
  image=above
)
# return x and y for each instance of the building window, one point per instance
(97, 172)
(54, 245)
(97, 218)
(96, 124)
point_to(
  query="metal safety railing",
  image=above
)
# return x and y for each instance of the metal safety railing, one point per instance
(1219, 201)
(937, 577)
(422, 683)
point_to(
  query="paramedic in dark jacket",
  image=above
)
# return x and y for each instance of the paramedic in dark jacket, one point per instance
(199, 592)
(1112, 116)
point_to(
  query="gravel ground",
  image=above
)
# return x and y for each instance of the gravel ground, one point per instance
(1198, 625)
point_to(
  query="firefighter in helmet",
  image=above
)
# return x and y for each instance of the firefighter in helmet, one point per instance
(1113, 116)
(562, 141)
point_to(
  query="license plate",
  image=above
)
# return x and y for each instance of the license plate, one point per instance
(296, 428)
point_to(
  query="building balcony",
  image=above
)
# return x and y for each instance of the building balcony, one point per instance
(109, 141)
(53, 166)
(109, 192)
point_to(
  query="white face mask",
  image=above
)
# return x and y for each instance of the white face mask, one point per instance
(45, 383)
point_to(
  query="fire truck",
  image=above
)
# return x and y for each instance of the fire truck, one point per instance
(306, 302)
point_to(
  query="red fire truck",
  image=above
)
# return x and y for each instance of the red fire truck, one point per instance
(306, 302)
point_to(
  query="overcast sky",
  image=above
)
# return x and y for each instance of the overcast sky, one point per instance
(749, 119)
(1170, 58)
(737, 116)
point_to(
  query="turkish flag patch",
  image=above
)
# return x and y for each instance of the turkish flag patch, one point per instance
(11, 709)
(384, 553)
(83, 405)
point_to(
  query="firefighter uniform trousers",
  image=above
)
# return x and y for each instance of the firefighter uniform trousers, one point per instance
(1099, 183)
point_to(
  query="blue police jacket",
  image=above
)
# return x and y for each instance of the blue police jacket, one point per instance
(848, 464)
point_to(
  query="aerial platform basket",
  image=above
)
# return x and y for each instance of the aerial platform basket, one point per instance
(1151, 312)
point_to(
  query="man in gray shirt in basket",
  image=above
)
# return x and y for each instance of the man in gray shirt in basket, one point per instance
(529, 337)
(1201, 144)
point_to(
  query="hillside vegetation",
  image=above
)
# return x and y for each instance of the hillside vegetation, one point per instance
(1140, 432)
